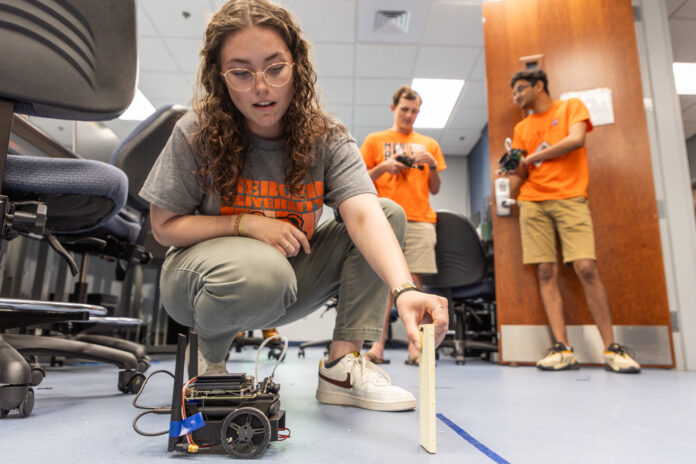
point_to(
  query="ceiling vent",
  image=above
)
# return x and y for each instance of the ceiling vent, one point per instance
(392, 22)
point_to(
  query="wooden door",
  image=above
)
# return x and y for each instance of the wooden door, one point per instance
(585, 44)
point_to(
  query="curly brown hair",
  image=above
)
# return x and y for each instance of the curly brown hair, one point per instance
(223, 138)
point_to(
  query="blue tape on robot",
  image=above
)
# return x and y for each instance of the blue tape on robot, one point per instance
(186, 426)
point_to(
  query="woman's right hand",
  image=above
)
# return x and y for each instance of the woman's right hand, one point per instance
(281, 235)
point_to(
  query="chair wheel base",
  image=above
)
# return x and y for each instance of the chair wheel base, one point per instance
(10, 399)
(130, 381)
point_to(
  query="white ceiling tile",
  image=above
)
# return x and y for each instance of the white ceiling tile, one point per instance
(324, 20)
(454, 136)
(434, 133)
(186, 52)
(479, 71)
(377, 91)
(445, 62)
(217, 4)
(336, 90)
(178, 18)
(459, 141)
(683, 36)
(153, 55)
(458, 150)
(468, 118)
(145, 27)
(384, 60)
(379, 116)
(454, 23)
(474, 95)
(333, 59)
(685, 11)
(165, 86)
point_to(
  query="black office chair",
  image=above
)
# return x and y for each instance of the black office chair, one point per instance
(463, 279)
(326, 342)
(122, 238)
(73, 59)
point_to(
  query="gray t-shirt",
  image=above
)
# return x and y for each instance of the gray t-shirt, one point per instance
(337, 173)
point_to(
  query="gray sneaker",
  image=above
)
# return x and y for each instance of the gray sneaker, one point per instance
(559, 358)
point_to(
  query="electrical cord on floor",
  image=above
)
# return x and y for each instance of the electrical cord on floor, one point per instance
(150, 409)
(280, 358)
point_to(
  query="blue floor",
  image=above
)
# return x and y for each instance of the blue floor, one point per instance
(487, 414)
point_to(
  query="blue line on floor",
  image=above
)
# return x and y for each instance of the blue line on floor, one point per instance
(477, 444)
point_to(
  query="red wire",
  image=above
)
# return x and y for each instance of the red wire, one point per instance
(283, 437)
(183, 409)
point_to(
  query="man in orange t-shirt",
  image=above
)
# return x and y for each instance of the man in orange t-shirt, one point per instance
(405, 166)
(553, 199)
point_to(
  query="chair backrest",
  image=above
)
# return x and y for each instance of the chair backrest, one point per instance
(461, 259)
(69, 59)
(137, 153)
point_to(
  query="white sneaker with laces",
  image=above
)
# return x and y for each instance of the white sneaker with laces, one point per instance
(357, 381)
(559, 358)
(617, 359)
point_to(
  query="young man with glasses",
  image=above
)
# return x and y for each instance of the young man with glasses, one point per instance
(238, 191)
(405, 167)
(553, 199)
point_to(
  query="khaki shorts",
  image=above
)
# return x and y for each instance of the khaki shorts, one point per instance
(419, 247)
(539, 221)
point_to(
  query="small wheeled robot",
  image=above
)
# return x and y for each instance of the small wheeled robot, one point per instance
(408, 161)
(231, 410)
(511, 158)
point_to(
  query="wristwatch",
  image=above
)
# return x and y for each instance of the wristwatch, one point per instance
(405, 287)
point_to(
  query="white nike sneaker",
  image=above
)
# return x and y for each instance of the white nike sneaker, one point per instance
(356, 381)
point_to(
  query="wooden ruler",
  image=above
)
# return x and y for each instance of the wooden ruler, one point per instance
(426, 391)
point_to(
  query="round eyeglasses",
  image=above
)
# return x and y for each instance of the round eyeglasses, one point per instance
(243, 80)
(521, 88)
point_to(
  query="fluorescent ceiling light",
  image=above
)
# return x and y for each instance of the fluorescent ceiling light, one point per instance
(685, 78)
(139, 109)
(439, 97)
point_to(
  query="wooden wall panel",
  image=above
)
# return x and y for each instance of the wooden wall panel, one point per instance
(586, 44)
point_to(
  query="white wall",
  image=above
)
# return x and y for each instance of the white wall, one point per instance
(454, 192)
(671, 174)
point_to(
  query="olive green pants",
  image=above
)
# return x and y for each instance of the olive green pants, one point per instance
(230, 284)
